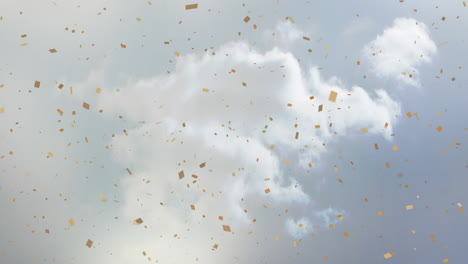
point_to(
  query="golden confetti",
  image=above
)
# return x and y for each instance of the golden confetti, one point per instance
(332, 96)
(89, 243)
(191, 6)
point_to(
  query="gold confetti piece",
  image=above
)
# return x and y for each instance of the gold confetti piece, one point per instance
(376, 146)
(89, 243)
(226, 228)
(123, 46)
(60, 112)
(443, 43)
(267, 190)
(2, 110)
(439, 128)
(138, 221)
(205, 90)
(37, 84)
(295, 244)
(276, 237)
(138, 19)
(320, 108)
(246, 19)
(364, 130)
(191, 6)
(332, 96)
(346, 234)
(291, 20)
(52, 50)
(85, 105)
(409, 207)
(327, 47)
(177, 54)
(202, 165)
(192, 207)
(306, 38)
(71, 222)
(181, 175)
(387, 255)
(379, 213)
(387, 165)
(128, 170)
(98, 90)
(446, 260)
(24, 44)
(464, 3)
(60, 86)
(395, 148)
(287, 161)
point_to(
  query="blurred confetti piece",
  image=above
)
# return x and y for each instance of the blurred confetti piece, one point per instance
(191, 6)
(71, 222)
(246, 19)
(181, 175)
(52, 50)
(394, 148)
(226, 228)
(85, 105)
(89, 243)
(2, 110)
(332, 96)
(123, 46)
(387, 255)
(138, 221)
(37, 84)
(409, 207)
(439, 128)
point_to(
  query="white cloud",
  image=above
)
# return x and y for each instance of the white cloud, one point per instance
(228, 126)
(299, 228)
(400, 49)
(284, 35)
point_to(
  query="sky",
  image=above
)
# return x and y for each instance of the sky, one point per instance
(205, 131)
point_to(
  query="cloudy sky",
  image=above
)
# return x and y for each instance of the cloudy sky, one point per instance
(264, 131)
